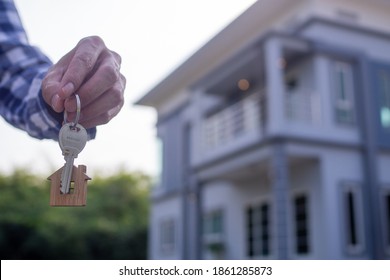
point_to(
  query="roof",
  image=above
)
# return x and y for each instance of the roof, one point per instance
(237, 34)
(256, 21)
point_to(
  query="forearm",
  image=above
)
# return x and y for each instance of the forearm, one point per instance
(22, 69)
(21, 101)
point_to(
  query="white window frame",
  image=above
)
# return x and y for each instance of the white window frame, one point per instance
(384, 94)
(209, 219)
(213, 238)
(344, 97)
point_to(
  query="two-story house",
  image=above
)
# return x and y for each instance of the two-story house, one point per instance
(275, 137)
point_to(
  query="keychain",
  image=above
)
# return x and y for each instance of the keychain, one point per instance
(69, 183)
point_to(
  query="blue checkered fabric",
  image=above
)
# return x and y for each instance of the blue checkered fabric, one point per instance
(22, 69)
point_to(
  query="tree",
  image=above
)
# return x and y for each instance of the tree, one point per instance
(113, 225)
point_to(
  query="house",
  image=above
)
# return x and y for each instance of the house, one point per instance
(275, 137)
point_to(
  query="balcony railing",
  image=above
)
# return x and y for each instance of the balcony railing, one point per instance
(248, 116)
(302, 106)
(235, 121)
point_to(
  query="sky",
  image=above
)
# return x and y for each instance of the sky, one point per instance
(153, 37)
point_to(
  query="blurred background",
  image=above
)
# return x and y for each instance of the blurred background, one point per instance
(261, 131)
(152, 37)
(275, 137)
(113, 225)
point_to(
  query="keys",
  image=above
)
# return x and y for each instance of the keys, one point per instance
(72, 139)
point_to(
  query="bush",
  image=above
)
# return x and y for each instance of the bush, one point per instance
(113, 225)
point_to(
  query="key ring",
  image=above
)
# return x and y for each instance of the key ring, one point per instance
(78, 109)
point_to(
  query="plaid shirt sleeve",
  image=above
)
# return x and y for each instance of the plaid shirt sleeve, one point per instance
(22, 69)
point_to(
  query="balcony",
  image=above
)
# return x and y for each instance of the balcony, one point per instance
(232, 123)
(302, 106)
(246, 122)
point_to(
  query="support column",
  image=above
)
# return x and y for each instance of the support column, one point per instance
(275, 85)
(185, 216)
(371, 189)
(280, 194)
(192, 220)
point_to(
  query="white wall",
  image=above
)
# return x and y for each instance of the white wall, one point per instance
(336, 166)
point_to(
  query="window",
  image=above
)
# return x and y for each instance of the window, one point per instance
(384, 91)
(258, 230)
(352, 218)
(264, 236)
(213, 223)
(350, 206)
(387, 220)
(167, 237)
(301, 221)
(343, 87)
(213, 233)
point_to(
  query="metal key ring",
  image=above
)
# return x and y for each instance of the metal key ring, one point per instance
(78, 109)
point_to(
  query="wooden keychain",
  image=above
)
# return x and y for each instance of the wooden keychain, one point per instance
(69, 183)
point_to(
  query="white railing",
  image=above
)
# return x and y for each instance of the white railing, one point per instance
(248, 117)
(233, 122)
(302, 106)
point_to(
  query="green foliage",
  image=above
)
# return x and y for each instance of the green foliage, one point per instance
(113, 225)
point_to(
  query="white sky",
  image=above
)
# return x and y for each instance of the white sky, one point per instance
(152, 36)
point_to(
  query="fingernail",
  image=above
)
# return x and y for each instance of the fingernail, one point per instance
(68, 89)
(55, 101)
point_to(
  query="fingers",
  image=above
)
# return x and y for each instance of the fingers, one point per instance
(103, 118)
(93, 72)
(100, 113)
(106, 76)
(81, 65)
(51, 86)
(102, 108)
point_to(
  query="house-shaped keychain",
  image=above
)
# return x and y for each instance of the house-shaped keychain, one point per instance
(78, 191)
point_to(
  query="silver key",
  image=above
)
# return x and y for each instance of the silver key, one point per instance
(72, 140)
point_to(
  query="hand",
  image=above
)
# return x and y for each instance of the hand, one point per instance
(93, 72)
